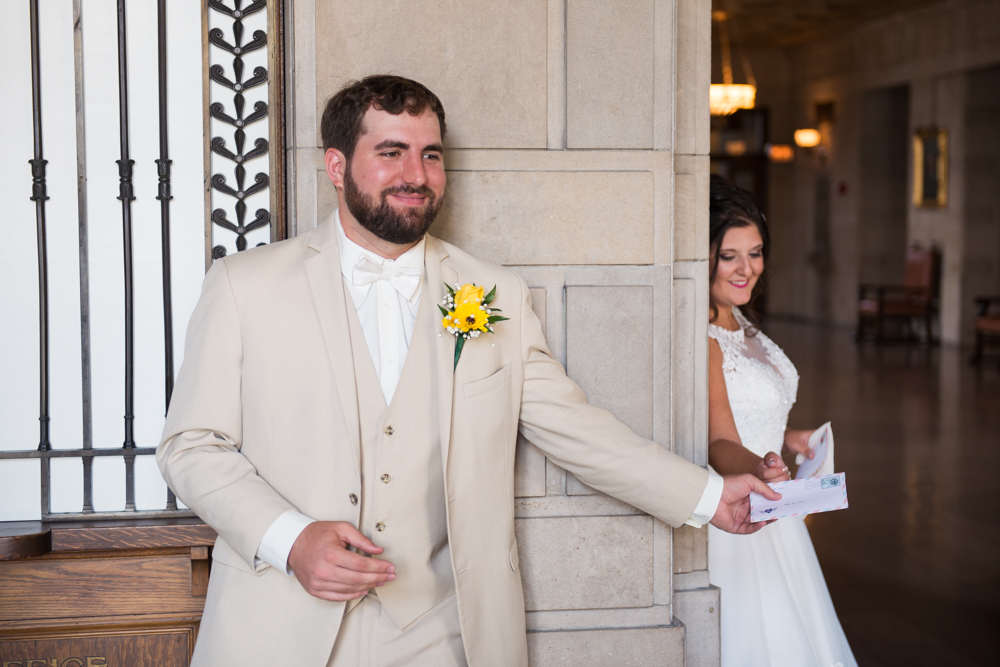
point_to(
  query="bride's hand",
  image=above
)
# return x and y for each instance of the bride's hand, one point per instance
(797, 441)
(771, 469)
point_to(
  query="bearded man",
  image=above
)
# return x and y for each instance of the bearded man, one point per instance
(358, 471)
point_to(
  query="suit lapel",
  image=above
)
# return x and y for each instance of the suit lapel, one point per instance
(438, 273)
(327, 284)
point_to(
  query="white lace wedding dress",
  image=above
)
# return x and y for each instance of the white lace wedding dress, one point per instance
(776, 610)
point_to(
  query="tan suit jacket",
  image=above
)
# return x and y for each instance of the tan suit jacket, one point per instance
(264, 418)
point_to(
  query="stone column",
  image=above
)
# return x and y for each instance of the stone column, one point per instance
(577, 155)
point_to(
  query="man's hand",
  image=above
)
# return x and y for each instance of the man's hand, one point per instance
(325, 568)
(733, 514)
(771, 469)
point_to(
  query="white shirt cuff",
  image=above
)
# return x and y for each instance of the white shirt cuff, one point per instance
(709, 502)
(279, 538)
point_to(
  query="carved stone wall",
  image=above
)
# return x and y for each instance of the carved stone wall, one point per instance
(577, 155)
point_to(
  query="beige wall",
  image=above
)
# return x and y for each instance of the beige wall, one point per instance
(577, 156)
(931, 52)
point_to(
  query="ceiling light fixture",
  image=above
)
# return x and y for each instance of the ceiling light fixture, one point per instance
(727, 97)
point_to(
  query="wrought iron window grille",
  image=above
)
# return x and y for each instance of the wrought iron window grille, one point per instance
(238, 120)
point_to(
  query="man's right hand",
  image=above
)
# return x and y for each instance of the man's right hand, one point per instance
(733, 514)
(325, 568)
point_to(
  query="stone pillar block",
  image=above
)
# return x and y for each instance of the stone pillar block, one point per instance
(547, 217)
(586, 562)
(691, 183)
(699, 611)
(694, 72)
(487, 61)
(609, 54)
(624, 647)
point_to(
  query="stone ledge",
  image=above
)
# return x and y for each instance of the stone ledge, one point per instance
(662, 646)
(571, 506)
(592, 619)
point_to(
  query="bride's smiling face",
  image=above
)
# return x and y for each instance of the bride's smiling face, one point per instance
(741, 261)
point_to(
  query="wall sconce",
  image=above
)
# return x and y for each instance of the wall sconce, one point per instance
(736, 147)
(781, 153)
(807, 138)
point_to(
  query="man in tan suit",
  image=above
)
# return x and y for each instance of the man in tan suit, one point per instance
(320, 407)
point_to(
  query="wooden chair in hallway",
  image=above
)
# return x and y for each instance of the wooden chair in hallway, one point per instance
(916, 300)
(987, 324)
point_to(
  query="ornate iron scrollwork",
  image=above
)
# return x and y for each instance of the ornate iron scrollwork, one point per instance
(239, 122)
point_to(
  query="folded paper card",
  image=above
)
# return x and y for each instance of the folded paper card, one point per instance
(801, 496)
(821, 442)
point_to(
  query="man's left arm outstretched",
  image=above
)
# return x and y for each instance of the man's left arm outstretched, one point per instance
(605, 454)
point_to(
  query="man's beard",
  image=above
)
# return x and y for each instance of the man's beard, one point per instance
(385, 221)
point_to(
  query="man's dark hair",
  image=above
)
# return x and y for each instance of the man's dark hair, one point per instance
(343, 118)
(728, 207)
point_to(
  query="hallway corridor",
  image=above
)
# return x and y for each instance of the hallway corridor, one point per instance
(914, 565)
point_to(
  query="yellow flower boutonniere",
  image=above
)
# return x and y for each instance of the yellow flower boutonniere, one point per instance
(467, 314)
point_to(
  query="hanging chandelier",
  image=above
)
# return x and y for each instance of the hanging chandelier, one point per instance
(727, 97)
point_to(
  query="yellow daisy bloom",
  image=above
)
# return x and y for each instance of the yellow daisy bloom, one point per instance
(469, 316)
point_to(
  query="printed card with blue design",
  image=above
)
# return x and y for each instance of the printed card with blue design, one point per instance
(801, 496)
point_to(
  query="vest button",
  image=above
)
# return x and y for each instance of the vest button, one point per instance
(380, 526)
(388, 430)
(353, 498)
(386, 479)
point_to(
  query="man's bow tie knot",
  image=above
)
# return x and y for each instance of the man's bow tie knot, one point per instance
(405, 279)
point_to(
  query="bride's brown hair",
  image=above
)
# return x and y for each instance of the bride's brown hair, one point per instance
(730, 206)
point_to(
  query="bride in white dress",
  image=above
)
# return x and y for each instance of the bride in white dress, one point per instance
(776, 610)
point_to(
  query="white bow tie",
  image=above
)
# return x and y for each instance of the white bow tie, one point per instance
(405, 279)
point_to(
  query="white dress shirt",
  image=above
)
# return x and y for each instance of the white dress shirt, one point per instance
(387, 314)
(709, 503)
(387, 317)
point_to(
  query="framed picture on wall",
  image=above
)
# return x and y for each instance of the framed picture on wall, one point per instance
(930, 167)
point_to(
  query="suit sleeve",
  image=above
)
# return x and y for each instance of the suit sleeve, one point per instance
(592, 444)
(199, 454)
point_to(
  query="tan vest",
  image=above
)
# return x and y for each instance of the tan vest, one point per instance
(402, 477)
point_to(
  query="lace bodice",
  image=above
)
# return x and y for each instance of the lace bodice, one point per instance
(761, 383)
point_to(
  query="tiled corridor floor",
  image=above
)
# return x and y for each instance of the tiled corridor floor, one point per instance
(914, 565)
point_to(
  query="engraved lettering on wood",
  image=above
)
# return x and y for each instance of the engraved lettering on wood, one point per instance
(83, 647)
(91, 661)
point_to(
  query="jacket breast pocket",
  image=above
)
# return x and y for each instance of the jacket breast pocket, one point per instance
(488, 383)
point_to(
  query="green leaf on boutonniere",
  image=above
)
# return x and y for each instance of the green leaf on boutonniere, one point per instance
(488, 299)
(459, 344)
(444, 311)
(496, 318)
